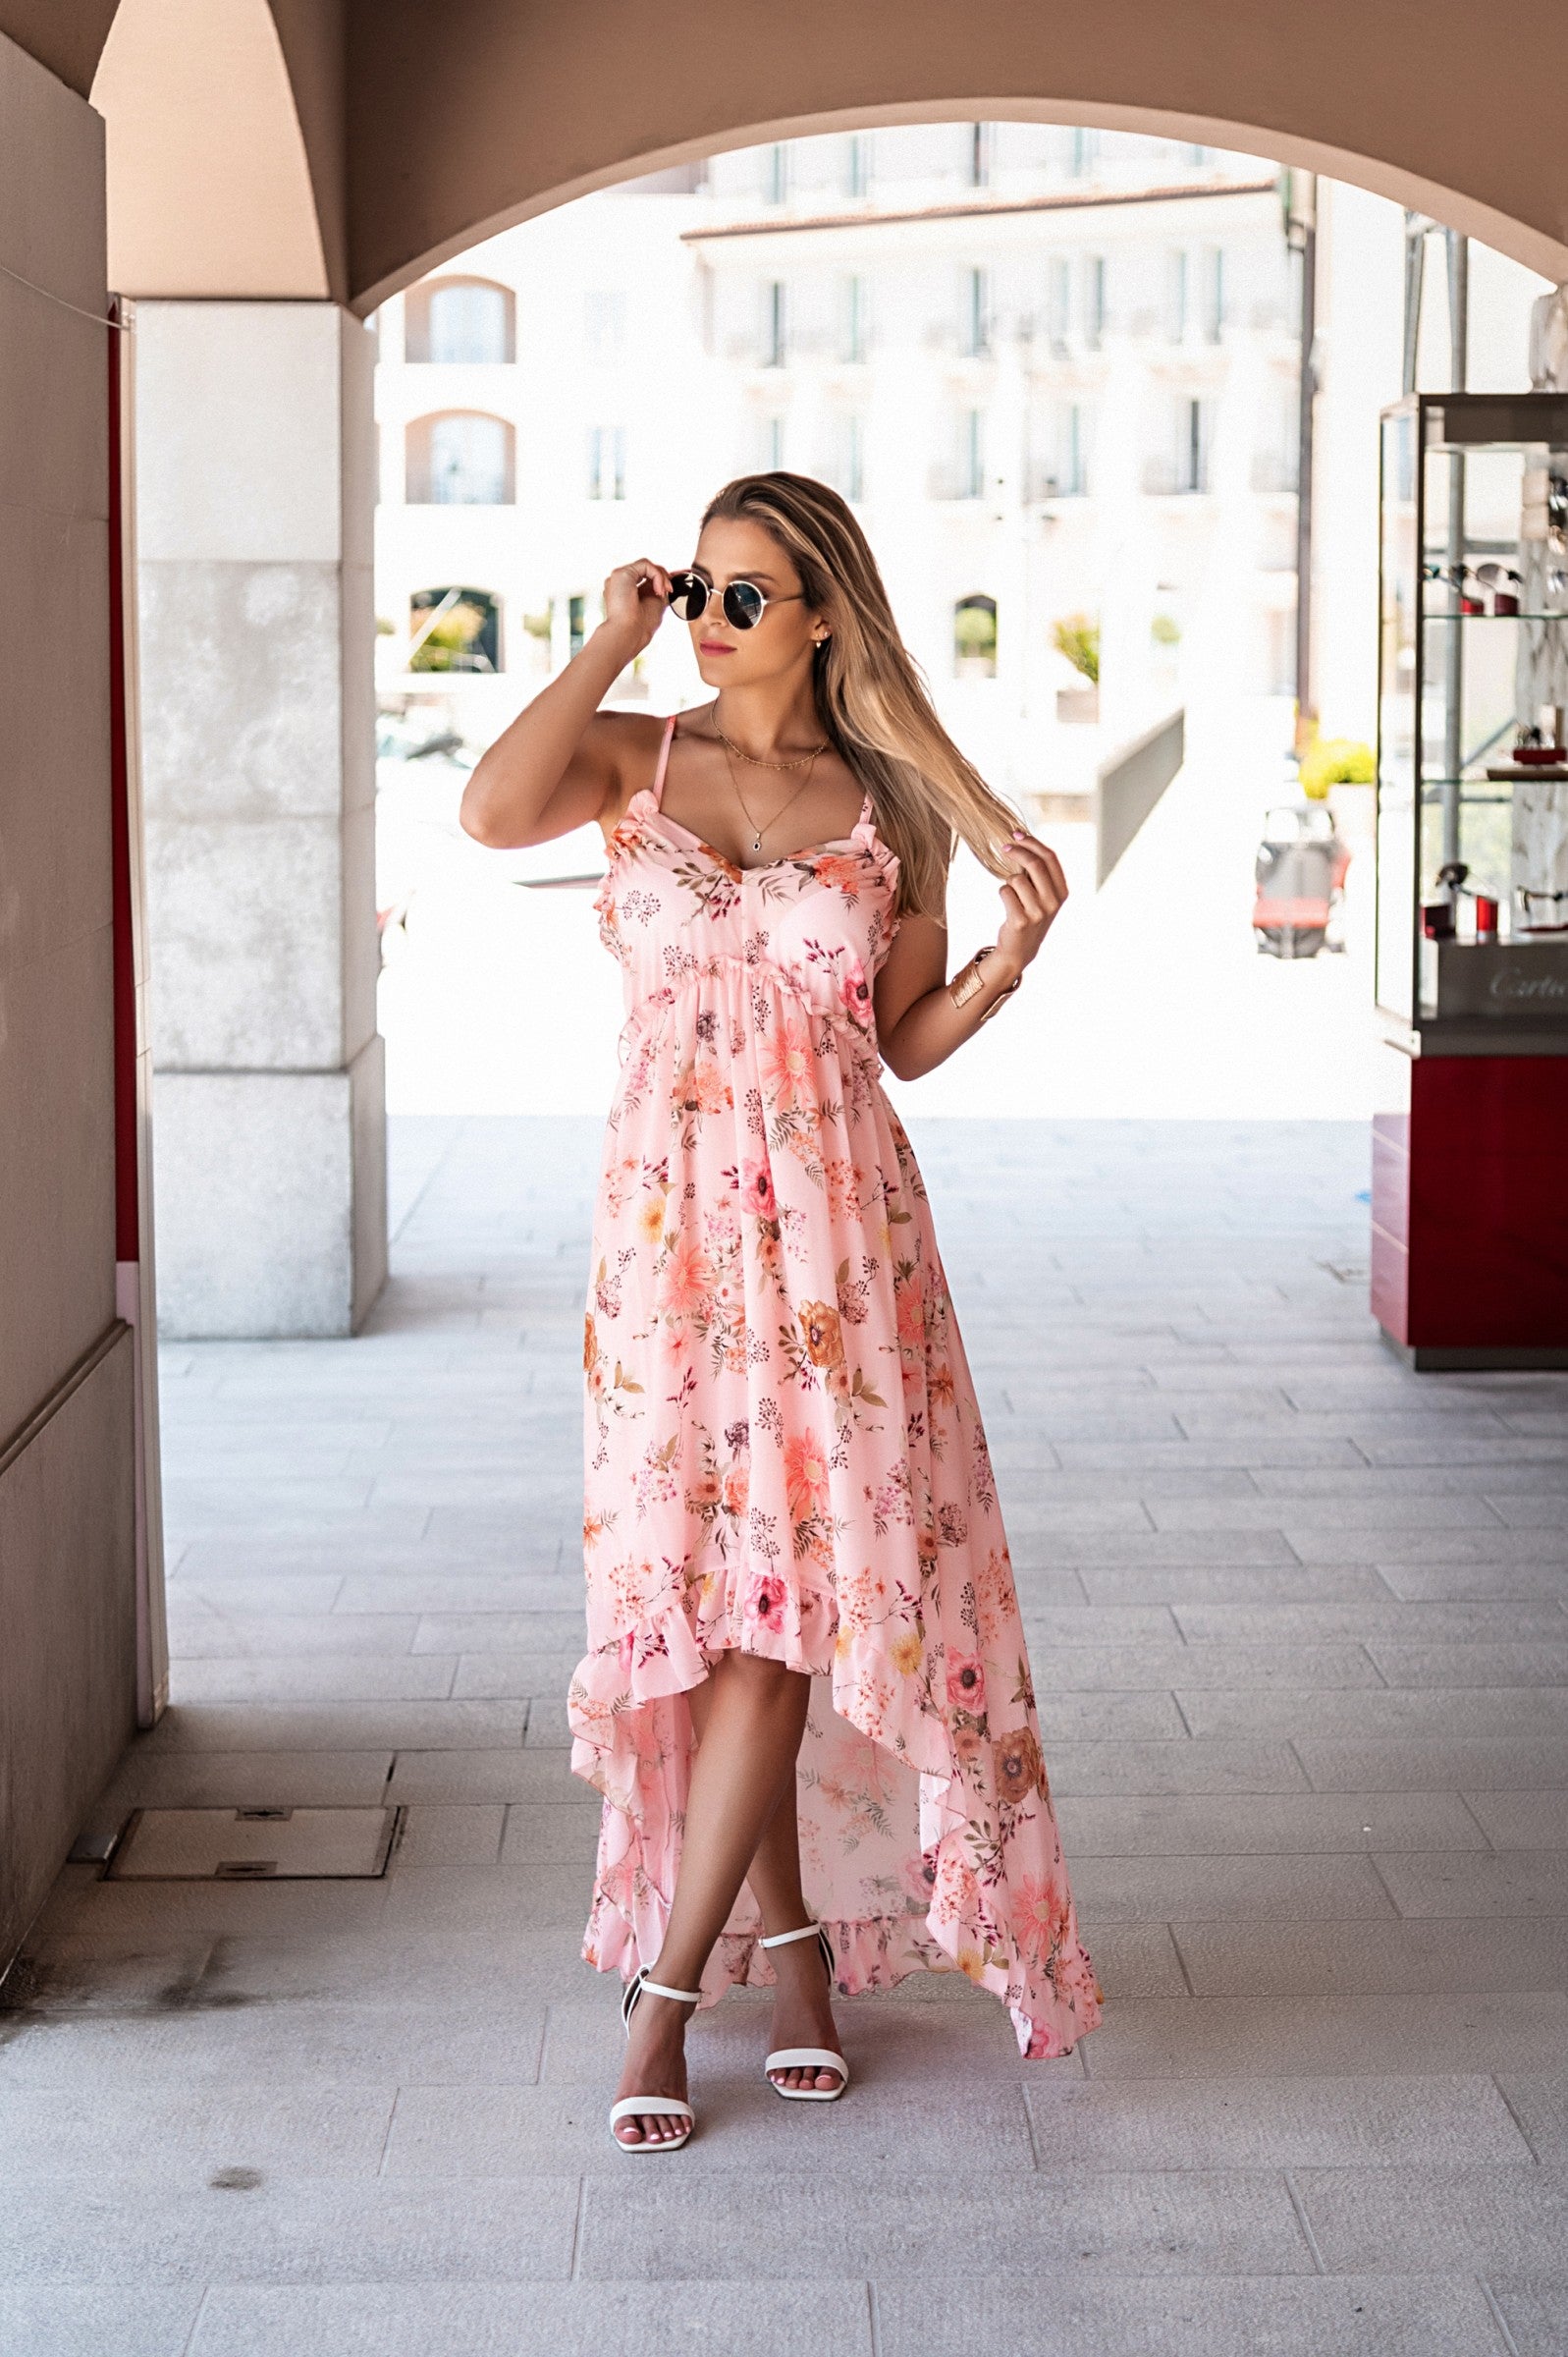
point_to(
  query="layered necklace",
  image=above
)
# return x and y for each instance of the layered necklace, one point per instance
(733, 753)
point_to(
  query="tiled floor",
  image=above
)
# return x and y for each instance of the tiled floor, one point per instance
(1299, 1629)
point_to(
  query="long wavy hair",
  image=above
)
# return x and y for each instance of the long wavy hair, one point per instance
(870, 699)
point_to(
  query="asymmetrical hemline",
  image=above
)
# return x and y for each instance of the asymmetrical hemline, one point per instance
(784, 1452)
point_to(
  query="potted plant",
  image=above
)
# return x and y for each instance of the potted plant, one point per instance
(1077, 639)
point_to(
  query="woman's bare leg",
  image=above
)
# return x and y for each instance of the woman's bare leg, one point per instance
(753, 1718)
(802, 2012)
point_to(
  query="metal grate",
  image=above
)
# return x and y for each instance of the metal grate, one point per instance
(256, 1845)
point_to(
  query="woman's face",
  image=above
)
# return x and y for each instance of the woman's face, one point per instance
(739, 550)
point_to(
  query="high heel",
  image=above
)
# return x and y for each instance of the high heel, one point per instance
(656, 2106)
(804, 2058)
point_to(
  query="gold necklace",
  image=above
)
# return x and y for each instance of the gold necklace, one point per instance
(756, 760)
(757, 832)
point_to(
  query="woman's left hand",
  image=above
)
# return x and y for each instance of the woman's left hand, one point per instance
(1030, 901)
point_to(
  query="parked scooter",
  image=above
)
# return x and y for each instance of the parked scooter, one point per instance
(1298, 907)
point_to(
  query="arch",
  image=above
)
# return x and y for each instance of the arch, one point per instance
(460, 317)
(974, 637)
(422, 147)
(454, 630)
(461, 459)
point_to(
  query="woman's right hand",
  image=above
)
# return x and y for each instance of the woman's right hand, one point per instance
(637, 597)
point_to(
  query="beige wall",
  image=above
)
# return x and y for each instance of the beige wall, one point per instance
(67, 1638)
(419, 136)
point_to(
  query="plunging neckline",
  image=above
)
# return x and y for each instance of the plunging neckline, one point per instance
(653, 794)
(760, 867)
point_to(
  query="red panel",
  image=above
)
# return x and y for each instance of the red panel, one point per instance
(1488, 1227)
(1391, 1184)
(1390, 1284)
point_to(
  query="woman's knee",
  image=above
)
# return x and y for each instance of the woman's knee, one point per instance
(767, 1681)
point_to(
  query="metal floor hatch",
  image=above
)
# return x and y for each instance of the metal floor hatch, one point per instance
(254, 1845)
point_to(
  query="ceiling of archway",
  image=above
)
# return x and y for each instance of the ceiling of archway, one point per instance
(416, 130)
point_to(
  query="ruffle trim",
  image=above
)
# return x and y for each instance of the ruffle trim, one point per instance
(625, 1747)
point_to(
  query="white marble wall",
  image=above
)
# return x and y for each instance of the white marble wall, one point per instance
(255, 502)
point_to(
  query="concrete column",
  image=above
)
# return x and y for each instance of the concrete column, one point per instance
(255, 500)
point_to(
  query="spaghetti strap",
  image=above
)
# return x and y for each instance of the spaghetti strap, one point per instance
(658, 786)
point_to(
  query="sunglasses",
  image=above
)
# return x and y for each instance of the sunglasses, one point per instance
(743, 603)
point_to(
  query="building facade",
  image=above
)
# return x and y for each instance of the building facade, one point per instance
(1055, 371)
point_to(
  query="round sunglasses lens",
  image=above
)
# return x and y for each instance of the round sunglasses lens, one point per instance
(743, 604)
(689, 595)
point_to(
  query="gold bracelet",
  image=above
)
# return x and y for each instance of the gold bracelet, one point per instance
(970, 980)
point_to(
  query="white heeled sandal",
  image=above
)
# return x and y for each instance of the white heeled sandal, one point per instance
(656, 2106)
(806, 2058)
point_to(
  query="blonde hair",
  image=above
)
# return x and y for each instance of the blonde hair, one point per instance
(870, 699)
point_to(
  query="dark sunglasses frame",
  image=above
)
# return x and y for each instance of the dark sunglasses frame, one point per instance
(743, 603)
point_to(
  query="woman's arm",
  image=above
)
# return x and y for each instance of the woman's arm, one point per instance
(918, 1026)
(560, 763)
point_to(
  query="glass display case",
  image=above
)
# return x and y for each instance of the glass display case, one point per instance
(1470, 1147)
(1472, 943)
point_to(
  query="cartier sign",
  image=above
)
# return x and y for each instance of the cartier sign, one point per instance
(1495, 981)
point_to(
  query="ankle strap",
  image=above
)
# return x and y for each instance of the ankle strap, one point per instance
(682, 1997)
(807, 1930)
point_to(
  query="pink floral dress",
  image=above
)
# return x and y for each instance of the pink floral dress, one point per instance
(784, 1452)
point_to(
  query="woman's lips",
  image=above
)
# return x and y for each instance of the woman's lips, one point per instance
(714, 646)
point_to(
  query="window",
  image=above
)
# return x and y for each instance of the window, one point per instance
(604, 327)
(1094, 299)
(770, 443)
(1058, 301)
(857, 164)
(577, 624)
(974, 324)
(460, 320)
(1176, 295)
(849, 458)
(977, 155)
(1213, 294)
(1192, 446)
(852, 340)
(607, 461)
(1195, 155)
(1083, 152)
(453, 629)
(459, 460)
(776, 177)
(971, 455)
(974, 639)
(774, 324)
(1072, 471)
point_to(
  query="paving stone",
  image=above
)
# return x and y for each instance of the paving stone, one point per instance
(548, 2319)
(1345, 2031)
(981, 2132)
(1539, 2101)
(1282, 1580)
(1276, 1960)
(210, 2034)
(1129, 2222)
(1536, 2313)
(1522, 1820)
(328, 1675)
(1540, 1711)
(347, 1726)
(1088, 1668)
(1531, 1661)
(490, 1776)
(441, 1834)
(1483, 1579)
(1294, 1824)
(302, 2230)
(1189, 1764)
(1353, 2316)
(242, 1780)
(84, 2320)
(182, 2135)
(1378, 1622)
(1277, 2121)
(1406, 2219)
(198, 1627)
(1517, 1883)
(1438, 1763)
(1255, 1889)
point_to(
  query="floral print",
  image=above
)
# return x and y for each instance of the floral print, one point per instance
(784, 1452)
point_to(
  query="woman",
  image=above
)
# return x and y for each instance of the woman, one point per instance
(806, 1668)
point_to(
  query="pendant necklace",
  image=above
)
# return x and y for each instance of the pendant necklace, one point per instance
(806, 761)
